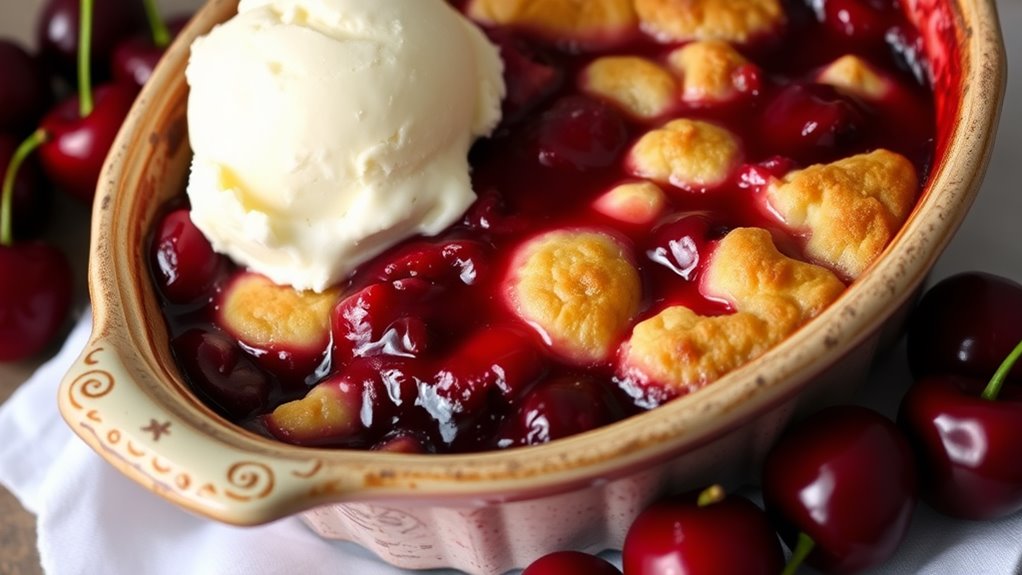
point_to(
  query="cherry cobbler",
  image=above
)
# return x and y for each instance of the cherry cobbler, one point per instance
(675, 187)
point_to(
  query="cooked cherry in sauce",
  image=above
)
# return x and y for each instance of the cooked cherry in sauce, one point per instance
(423, 352)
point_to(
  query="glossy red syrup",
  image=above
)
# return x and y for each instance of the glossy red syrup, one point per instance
(435, 321)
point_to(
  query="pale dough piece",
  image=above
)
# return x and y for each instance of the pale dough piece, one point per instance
(633, 202)
(690, 154)
(854, 75)
(707, 70)
(642, 88)
(851, 208)
(263, 314)
(579, 289)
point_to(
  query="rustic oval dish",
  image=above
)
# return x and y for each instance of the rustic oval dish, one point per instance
(477, 512)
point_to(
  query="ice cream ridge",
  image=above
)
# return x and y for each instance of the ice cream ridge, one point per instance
(326, 131)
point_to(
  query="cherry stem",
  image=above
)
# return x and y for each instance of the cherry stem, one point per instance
(7, 195)
(712, 494)
(158, 28)
(997, 381)
(803, 548)
(85, 104)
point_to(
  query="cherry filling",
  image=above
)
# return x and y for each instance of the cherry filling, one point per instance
(419, 350)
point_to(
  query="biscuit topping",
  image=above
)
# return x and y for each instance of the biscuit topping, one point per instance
(736, 21)
(689, 154)
(578, 288)
(851, 208)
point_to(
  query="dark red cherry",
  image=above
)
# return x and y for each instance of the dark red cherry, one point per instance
(76, 147)
(135, 57)
(811, 122)
(380, 319)
(580, 133)
(570, 563)
(864, 21)
(561, 407)
(220, 371)
(529, 74)
(183, 261)
(30, 204)
(966, 325)
(35, 296)
(441, 263)
(57, 32)
(966, 434)
(845, 478)
(702, 533)
(23, 91)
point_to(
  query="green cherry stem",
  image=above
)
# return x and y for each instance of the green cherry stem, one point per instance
(712, 494)
(85, 104)
(803, 548)
(7, 195)
(158, 28)
(997, 381)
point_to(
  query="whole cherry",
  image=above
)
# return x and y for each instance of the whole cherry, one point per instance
(183, 261)
(559, 407)
(76, 135)
(570, 563)
(843, 480)
(134, 58)
(702, 533)
(35, 283)
(966, 434)
(23, 92)
(966, 325)
(58, 32)
(581, 133)
(811, 122)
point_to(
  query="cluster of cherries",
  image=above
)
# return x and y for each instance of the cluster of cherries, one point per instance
(841, 485)
(55, 136)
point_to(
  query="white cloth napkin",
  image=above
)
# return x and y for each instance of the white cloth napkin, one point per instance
(94, 520)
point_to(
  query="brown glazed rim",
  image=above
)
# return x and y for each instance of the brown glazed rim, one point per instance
(127, 317)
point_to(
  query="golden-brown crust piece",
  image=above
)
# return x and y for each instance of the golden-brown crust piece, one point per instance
(581, 21)
(579, 289)
(855, 76)
(263, 314)
(737, 21)
(633, 203)
(690, 154)
(642, 88)
(773, 295)
(851, 208)
(707, 70)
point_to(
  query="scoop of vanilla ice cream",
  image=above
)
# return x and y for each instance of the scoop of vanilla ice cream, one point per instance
(325, 131)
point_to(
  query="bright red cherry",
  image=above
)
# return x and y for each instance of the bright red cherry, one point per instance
(23, 91)
(570, 563)
(705, 533)
(76, 146)
(966, 325)
(845, 479)
(58, 30)
(966, 434)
